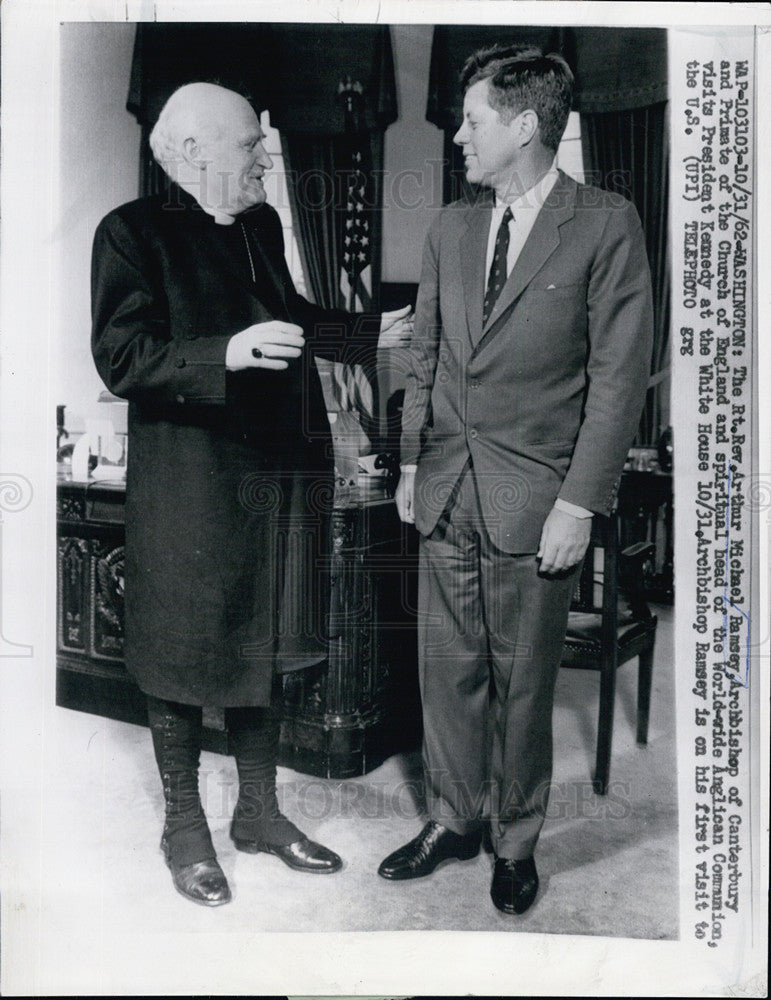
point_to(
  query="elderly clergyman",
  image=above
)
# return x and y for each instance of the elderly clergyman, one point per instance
(197, 323)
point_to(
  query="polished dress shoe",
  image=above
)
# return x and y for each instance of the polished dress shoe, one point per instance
(515, 884)
(303, 855)
(202, 882)
(434, 845)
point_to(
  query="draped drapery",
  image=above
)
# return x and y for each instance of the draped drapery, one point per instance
(316, 175)
(292, 69)
(308, 62)
(621, 95)
(331, 108)
(310, 173)
(628, 152)
(317, 171)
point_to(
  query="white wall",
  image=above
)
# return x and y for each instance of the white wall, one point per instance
(98, 170)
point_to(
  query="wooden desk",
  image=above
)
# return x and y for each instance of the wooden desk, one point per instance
(341, 718)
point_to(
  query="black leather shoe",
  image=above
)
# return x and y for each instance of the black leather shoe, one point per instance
(434, 845)
(303, 855)
(515, 884)
(202, 882)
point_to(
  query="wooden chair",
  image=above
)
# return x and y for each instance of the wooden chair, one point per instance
(602, 635)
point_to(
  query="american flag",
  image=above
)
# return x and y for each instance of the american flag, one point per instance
(347, 389)
(356, 248)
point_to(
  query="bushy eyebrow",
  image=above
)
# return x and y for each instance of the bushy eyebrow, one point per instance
(257, 135)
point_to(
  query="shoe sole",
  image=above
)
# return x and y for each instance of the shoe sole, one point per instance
(202, 902)
(437, 866)
(512, 913)
(254, 847)
(509, 910)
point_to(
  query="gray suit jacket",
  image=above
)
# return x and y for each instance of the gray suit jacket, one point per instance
(546, 396)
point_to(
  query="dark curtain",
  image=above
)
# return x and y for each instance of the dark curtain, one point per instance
(628, 152)
(294, 70)
(317, 169)
(621, 95)
(615, 68)
(320, 131)
(310, 174)
(308, 64)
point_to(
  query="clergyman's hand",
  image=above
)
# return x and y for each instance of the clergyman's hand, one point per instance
(396, 328)
(265, 345)
(405, 496)
(564, 540)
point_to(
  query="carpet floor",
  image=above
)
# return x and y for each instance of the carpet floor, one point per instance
(608, 865)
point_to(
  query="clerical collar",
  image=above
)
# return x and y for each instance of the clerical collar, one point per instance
(221, 218)
(177, 196)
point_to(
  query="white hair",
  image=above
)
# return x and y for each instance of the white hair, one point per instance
(195, 110)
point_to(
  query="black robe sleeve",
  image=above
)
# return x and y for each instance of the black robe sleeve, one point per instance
(132, 344)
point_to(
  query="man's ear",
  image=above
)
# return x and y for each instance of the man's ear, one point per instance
(191, 152)
(527, 126)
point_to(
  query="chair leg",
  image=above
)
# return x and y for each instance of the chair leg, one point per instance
(605, 730)
(644, 682)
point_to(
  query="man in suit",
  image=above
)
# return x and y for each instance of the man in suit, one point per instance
(530, 362)
(197, 323)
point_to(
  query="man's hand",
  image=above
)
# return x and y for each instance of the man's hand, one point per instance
(563, 541)
(264, 345)
(396, 328)
(405, 494)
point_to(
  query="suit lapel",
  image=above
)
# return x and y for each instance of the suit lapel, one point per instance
(473, 255)
(541, 243)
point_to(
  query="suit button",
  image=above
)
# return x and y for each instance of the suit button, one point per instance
(475, 383)
(473, 433)
(180, 398)
(180, 362)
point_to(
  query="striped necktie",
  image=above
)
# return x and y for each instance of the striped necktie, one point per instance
(498, 272)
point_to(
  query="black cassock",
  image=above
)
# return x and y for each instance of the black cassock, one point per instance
(229, 480)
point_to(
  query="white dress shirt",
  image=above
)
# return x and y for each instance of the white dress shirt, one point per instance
(524, 210)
